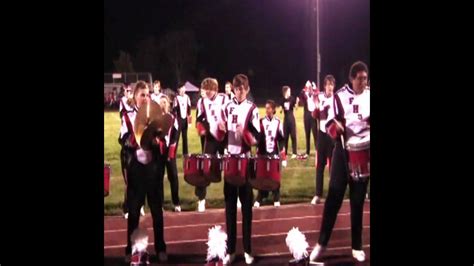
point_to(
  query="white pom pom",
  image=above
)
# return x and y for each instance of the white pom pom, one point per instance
(139, 239)
(217, 243)
(296, 242)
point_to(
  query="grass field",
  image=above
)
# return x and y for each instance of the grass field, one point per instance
(298, 179)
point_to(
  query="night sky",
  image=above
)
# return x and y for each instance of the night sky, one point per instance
(272, 41)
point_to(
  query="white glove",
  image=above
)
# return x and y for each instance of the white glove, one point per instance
(143, 156)
(284, 163)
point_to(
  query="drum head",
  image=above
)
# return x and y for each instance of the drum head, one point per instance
(358, 143)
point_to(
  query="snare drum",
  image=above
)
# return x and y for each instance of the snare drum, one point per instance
(106, 179)
(235, 169)
(212, 167)
(192, 170)
(267, 172)
(359, 157)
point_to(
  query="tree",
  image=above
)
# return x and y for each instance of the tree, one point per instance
(180, 49)
(124, 62)
(147, 56)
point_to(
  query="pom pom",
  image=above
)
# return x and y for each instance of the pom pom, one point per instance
(296, 242)
(217, 243)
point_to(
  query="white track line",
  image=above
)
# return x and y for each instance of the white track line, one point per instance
(238, 222)
(288, 253)
(239, 236)
(185, 213)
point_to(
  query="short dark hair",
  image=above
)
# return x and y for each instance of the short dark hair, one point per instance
(181, 84)
(272, 104)
(329, 78)
(356, 68)
(241, 80)
(156, 82)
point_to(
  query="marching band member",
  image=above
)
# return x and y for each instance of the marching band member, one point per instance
(167, 146)
(126, 152)
(156, 91)
(308, 96)
(324, 143)
(351, 118)
(271, 142)
(142, 180)
(228, 90)
(242, 128)
(202, 95)
(210, 114)
(289, 103)
(182, 111)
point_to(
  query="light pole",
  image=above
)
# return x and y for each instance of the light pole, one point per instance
(318, 55)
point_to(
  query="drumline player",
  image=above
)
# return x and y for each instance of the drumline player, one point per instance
(182, 112)
(242, 128)
(324, 143)
(202, 94)
(210, 114)
(143, 181)
(351, 117)
(271, 143)
(166, 155)
(288, 103)
(126, 152)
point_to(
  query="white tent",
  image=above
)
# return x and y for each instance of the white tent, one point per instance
(190, 87)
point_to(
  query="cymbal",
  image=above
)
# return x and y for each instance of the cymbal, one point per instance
(162, 124)
(151, 122)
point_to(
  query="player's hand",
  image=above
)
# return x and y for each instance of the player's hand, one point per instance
(222, 126)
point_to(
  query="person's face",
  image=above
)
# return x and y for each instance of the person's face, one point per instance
(329, 88)
(269, 110)
(210, 93)
(240, 93)
(287, 93)
(181, 90)
(164, 104)
(359, 82)
(157, 88)
(141, 97)
(128, 92)
(228, 88)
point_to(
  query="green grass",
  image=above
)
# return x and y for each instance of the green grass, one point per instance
(298, 179)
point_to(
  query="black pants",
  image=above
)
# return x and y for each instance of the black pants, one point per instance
(172, 173)
(143, 182)
(245, 193)
(183, 130)
(289, 129)
(202, 138)
(125, 158)
(337, 187)
(262, 194)
(211, 146)
(324, 146)
(310, 125)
